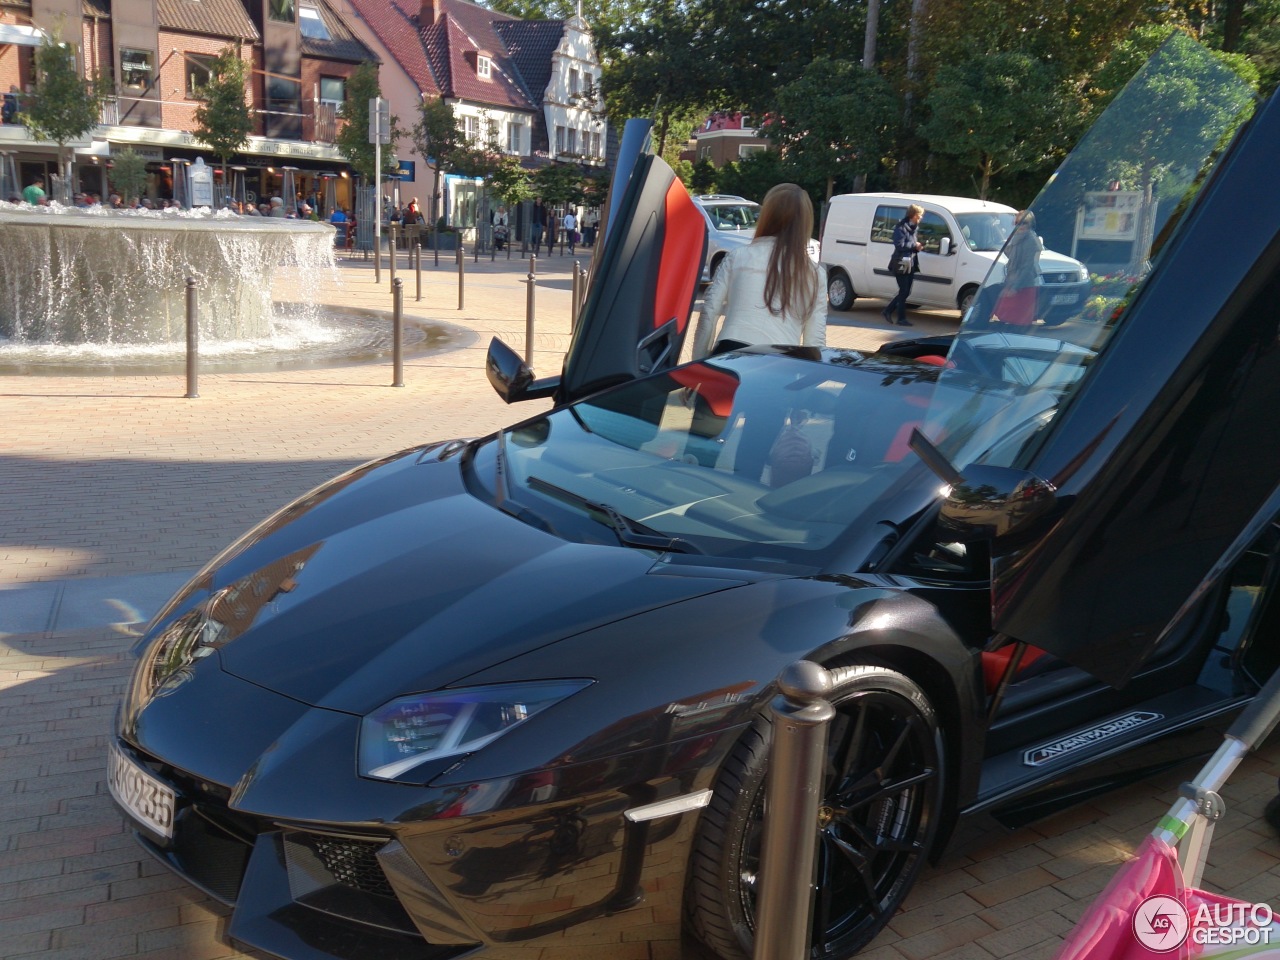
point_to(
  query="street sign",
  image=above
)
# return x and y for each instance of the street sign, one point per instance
(379, 121)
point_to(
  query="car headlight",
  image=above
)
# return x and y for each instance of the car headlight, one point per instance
(411, 730)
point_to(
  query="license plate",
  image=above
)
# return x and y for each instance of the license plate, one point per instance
(148, 800)
(1060, 298)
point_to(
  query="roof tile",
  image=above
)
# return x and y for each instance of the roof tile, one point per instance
(215, 18)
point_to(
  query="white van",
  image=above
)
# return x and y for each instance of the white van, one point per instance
(962, 239)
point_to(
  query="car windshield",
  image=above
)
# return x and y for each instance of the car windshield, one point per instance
(733, 216)
(1114, 205)
(985, 231)
(767, 456)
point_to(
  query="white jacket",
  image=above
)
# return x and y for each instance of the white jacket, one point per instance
(737, 293)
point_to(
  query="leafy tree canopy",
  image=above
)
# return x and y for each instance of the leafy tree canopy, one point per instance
(353, 136)
(222, 120)
(65, 106)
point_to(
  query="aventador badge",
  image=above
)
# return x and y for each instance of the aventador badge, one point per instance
(1056, 749)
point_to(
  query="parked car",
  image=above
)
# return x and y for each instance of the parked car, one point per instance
(962, 238)
(506, 696)
(731, 223)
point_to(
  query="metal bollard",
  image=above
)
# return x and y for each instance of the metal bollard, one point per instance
(193, 341)
(532, 281)
(797, 761)
(377, 259)
(392, 231)
(397, 333)
(461, 268)
(573, 299)
(417, 266)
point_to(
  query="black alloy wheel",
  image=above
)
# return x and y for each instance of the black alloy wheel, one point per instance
(877, 819)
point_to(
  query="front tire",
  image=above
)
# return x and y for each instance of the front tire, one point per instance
(878, 817)
(840, 293)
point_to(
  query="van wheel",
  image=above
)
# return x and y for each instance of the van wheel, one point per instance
(715, 265)
(840, 291)
(879, 815)
(967, 296)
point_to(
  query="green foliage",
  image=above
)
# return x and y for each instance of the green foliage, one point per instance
(833, 122)
(559, 183)
(753, 176)
(1003, 113)
(436, 135)
(703, 179)
(353, 135)
(510, 182)
(65, 106)
(128, 173)
(222, 120)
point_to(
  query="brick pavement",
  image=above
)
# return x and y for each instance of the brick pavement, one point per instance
(120, 482)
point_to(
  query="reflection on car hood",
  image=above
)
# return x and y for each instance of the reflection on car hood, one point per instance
(400, 581)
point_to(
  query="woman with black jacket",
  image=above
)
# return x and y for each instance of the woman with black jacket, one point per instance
(905, 246)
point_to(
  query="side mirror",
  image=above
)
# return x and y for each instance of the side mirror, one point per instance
(512, 378)
(985, 502)
(944, 247)
(990, 503)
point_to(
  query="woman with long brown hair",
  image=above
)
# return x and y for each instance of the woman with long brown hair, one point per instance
(769, 291)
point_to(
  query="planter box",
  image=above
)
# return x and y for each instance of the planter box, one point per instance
(447, 241)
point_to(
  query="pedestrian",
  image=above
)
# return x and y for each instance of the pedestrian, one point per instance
(33, 193)
(536, 220)
(570, 226)
(904, 264)
(769, 291)
(553, 225)
(9, 112)
(1019, 298)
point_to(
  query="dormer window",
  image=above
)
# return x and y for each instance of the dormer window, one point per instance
(484, 67)
(311, 23)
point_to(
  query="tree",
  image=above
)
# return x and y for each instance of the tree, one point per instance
(559, 183)
(65, 106)
(704, 177)
(510, 182)
(223, 121)
(353, 136)
(129, 173)
(437, 139)
(833, 123)
(1005, 113)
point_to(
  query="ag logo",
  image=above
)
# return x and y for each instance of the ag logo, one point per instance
(1160, 924)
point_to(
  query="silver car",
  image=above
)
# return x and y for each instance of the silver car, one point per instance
(731, 223)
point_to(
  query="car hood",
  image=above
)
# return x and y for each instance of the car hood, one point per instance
(393, 579)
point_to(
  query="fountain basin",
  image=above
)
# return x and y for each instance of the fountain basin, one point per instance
(97, 277)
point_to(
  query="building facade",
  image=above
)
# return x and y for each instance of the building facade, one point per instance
(157, 53)
(527, 88)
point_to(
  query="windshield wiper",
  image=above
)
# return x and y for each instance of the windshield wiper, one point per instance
(630, 533)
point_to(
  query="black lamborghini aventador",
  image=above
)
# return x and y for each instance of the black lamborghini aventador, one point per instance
(490, 697)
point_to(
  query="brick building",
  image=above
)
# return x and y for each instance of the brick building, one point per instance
(299, 55)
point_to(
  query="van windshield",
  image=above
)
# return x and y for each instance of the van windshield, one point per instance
(985, 231)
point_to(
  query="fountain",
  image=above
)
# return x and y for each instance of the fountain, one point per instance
(71, 277)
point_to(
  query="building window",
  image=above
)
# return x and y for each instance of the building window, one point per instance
(595, 145)
(573, 141)
(484, 67)
(515, 138)
(559, 140)
(281, 11)
(573, 81)
(704, 153)
(199, 72)
(137, 68)
(471, 128)
(311, 25)
(747, 149)
(333, 90)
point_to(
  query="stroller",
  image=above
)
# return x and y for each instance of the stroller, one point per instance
(500, 236)
(1152, 907)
